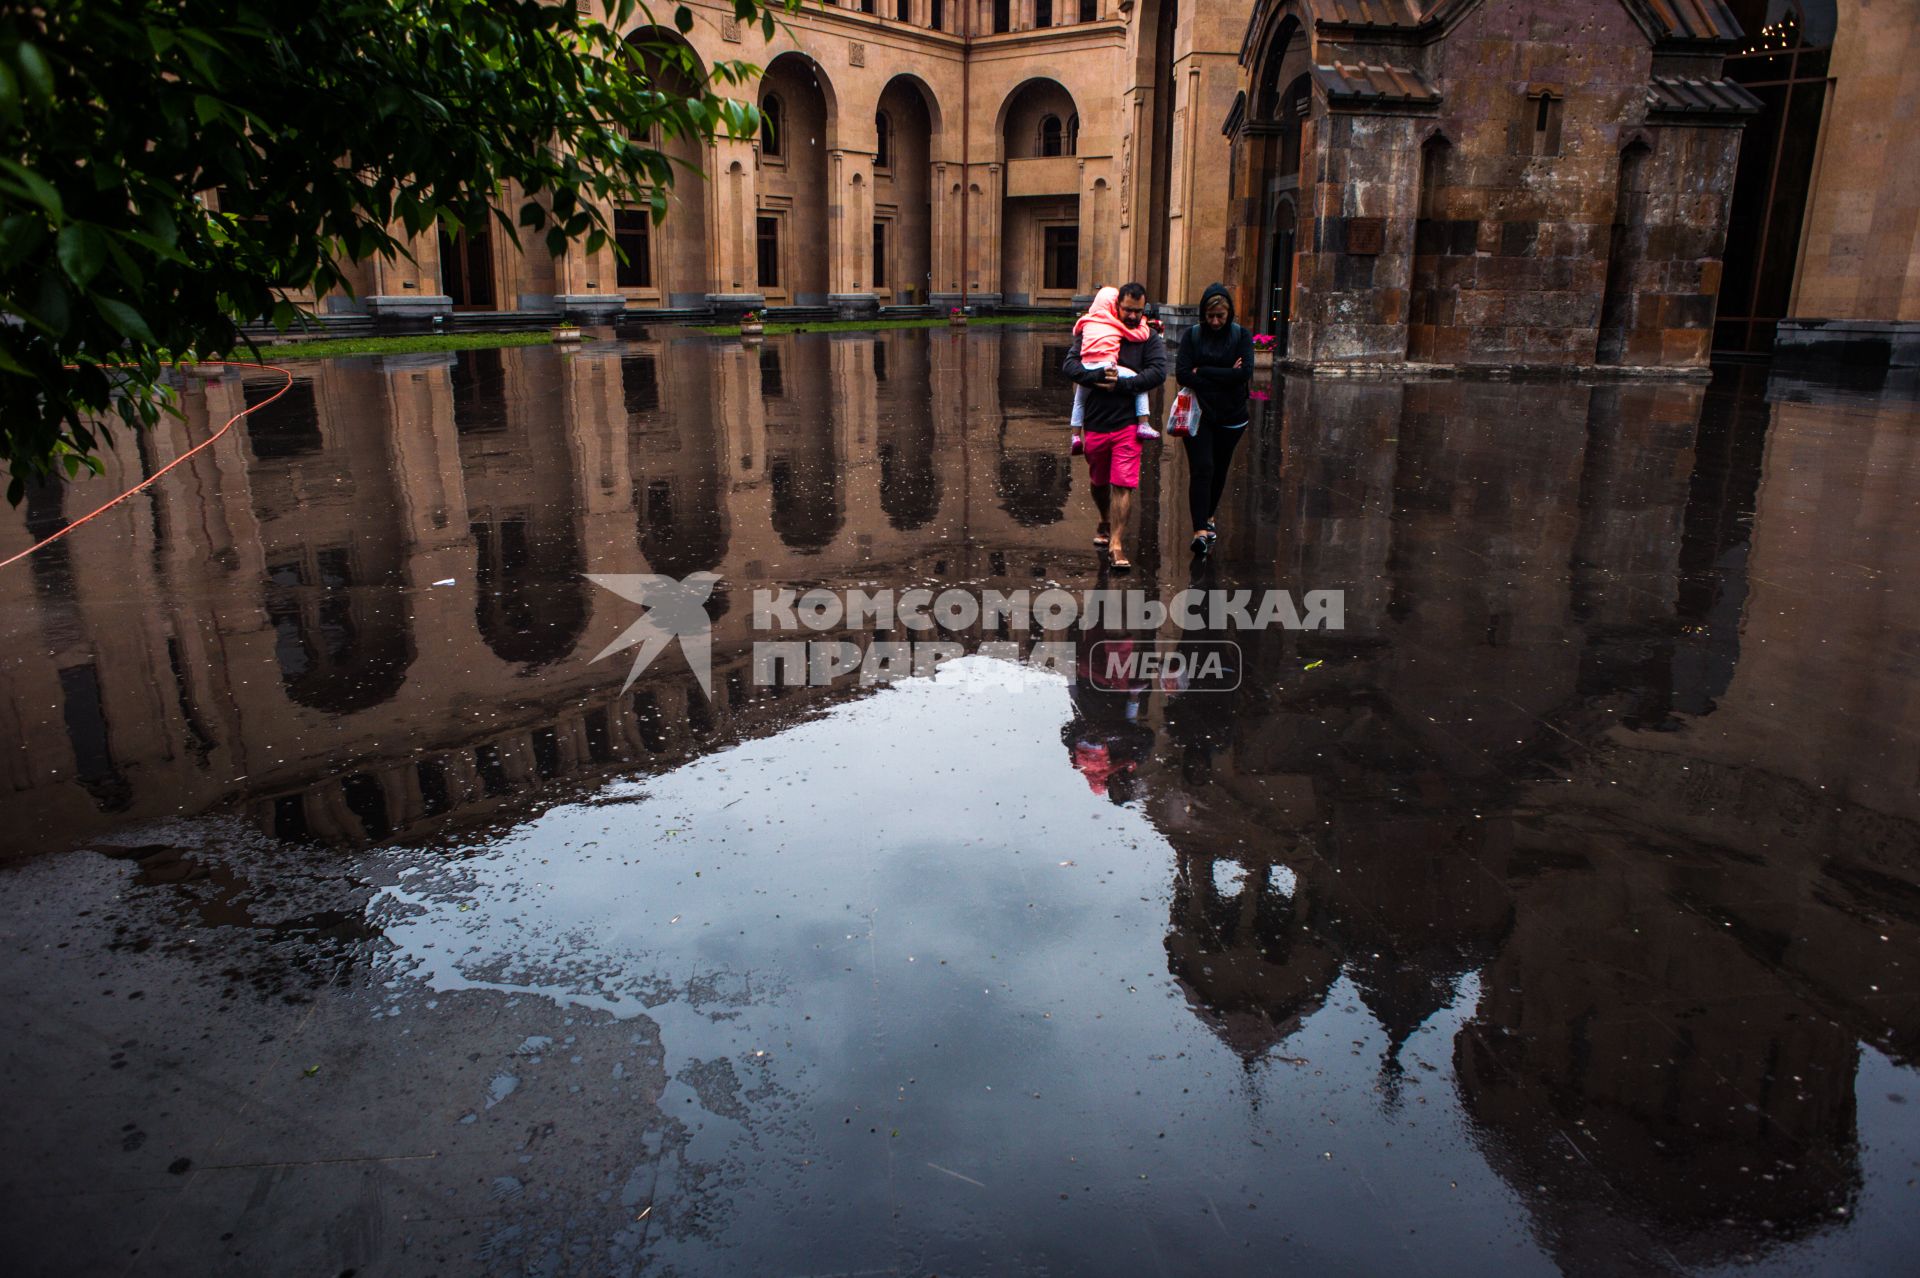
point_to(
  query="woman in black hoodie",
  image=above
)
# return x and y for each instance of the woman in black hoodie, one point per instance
(1216, 363)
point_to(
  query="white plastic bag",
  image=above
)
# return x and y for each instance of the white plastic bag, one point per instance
(1184, 417)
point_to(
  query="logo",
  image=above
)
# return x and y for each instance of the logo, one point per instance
(674, 610)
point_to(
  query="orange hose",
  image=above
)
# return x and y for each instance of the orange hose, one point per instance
(228, 363)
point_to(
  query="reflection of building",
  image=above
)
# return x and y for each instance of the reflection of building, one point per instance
(379, 618)
(1533, 769)
(1434, 181)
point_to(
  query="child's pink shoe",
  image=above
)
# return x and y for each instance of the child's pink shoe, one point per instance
(1145, 431)
(1079, 446)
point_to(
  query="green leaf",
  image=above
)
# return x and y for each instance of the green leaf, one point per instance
(34, 187)
(34, 71)
(82, 251)
(125, 320)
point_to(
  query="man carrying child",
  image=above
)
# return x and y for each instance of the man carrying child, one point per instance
(1116, 378)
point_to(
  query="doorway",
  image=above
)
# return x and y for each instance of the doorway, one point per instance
(1279, 300)
(466, 268)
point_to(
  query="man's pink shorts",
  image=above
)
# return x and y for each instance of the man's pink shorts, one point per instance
(1113, 458)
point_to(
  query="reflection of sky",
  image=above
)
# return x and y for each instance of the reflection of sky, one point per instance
(876, 900)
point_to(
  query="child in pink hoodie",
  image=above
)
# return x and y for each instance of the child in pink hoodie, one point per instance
(1101, 331)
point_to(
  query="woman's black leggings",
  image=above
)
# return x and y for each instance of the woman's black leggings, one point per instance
(1208, 455)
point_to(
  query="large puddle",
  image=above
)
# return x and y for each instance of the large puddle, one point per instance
(1560, 912)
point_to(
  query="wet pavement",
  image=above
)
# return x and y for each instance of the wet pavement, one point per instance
(1560, 913)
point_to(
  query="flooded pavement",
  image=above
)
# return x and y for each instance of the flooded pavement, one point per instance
(1559, 913)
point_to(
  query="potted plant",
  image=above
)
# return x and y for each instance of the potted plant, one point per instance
(957, 317)
(1263, 348)
(751, 324)
(566, 333)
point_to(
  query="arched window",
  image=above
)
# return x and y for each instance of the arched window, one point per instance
(883, 141)
(1052, 138)
(773, 125)
(1073, 134)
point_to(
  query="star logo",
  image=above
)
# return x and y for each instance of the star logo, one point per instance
(674, 610)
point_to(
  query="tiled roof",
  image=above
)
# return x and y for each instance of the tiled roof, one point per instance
(1374, 82)
(1695, 19)
(1372, 13)
(1693, 96)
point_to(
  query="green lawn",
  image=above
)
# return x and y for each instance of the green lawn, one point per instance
(873, 325)
(331, 347)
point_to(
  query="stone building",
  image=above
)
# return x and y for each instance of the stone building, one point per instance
(1478, 181)
(1566, 183)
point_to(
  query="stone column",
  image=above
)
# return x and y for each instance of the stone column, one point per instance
(1093, 231)
(850, 234)
(987, 208)
(585, 283)
(409, 290)
(949, 236)
(733, 262)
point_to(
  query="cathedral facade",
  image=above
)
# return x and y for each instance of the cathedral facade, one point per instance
(1383, 183)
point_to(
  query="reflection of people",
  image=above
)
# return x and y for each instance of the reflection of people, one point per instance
(1101, 330)
(1106, 739)
(1216, 363)
(1111, 418)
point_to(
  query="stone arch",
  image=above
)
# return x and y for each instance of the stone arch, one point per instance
(667, 263)
(1277, 166)
(1040, 214)
(903, 192)
(929, 101)
(1021, 110)
(807, 69)
(793, 186)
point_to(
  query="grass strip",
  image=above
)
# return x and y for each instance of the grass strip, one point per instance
(334, 347)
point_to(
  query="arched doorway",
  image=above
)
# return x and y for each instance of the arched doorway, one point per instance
(904, 126)
(1276, 135)
(797, 107)
(1783, 62)
(667, 264)
(1040, 208)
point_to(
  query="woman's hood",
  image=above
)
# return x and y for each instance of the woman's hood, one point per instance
(1225, 294)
